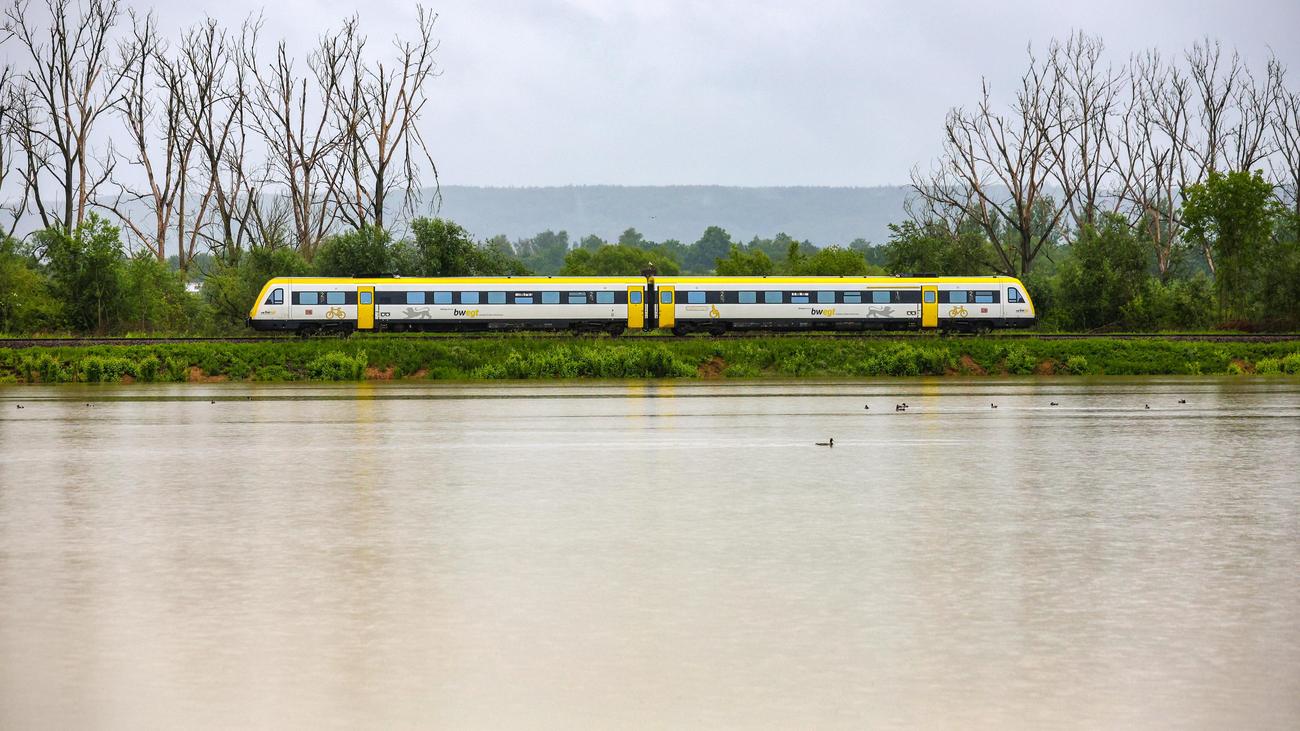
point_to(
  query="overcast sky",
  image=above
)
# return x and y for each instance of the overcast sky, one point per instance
(556, 92)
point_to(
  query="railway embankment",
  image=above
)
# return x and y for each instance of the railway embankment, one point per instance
(526, 357)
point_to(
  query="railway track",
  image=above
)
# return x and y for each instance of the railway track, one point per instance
(1202, 337)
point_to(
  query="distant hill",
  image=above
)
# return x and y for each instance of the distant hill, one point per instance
(821, 215)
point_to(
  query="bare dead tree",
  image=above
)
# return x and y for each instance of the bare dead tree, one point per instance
(292, 115)
(382, 149)
(1215, 81)
(161, 139)
(1285, 165)
(1249, 143)
(1149, 147)
(71, 81)
(996, 168)
(1082, 120)
(216, 105)
(13, 193)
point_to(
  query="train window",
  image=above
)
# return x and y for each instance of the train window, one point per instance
(773, 298)
(635, 297)
(666, 297)
(984, 298)
(335, 298)
(550, 298)
(852, 298)
(799, 299)
(880, 297)
(365, 298)
(524, 299)
(442, 298)
(306, 298)
(748, 298)
(415, 298)
(469, 298)
(577, 298)
(496, 298)
(604, 298)
(695, 298)
(276, 297)
(825, 297)
(957, 296)
(1013, 295)
(929, 297)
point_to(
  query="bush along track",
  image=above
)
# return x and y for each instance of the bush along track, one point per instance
(388, 357)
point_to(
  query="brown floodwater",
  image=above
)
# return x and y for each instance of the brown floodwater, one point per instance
(656, 555)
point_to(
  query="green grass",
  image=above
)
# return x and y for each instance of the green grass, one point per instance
(525, 357)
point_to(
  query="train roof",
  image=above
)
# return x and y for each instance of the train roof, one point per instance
(459, 280)
(882, 280)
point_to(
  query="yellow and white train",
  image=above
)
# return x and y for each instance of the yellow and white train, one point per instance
(614, 304)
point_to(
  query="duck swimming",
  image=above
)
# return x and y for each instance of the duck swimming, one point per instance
(831, 443)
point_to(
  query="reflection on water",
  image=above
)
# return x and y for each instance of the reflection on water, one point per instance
(652, 554)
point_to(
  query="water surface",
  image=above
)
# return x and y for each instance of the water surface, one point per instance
(652, 555)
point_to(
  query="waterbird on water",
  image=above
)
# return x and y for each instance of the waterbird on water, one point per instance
(1182, 400)
(831, 443)
(1053, 404)
(20, 406)
(1146, 406)
(993, 406)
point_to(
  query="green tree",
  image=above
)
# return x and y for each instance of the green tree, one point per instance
(875, 255)
(932, 248)
(26, 302)
(1179, 304)
(445, 249)
(86, 269)
(1107, 268)
(1279, 283)
(713, 245)
(544, 253)
(833, 261)
(740, 263)
(367, 251)
(632, 237)
(154, 298)
(616, 261)
(1231, 216)
(591, 242)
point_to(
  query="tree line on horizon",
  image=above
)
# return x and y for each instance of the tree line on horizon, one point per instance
(1159, 194)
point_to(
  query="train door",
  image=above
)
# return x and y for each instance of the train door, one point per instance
(930, 306)
(635, 308)
(365, 308)
(667, 309)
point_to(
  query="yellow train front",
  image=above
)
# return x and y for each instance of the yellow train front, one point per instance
(614, 304)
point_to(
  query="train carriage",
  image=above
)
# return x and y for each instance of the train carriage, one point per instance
(590, 304)
(718, 304)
